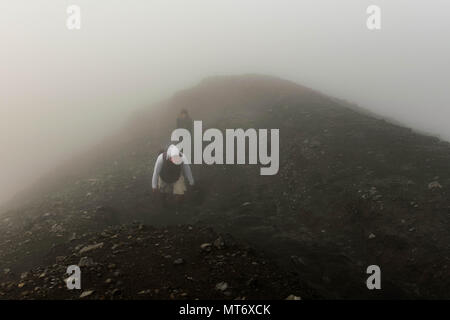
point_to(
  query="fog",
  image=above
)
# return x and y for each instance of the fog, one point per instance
(64, 90)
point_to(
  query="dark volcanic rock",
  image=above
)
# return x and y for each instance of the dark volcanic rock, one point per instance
(144, 271)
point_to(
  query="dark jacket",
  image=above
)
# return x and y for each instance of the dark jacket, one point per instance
(170, 172)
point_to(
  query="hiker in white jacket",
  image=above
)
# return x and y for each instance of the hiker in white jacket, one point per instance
(171, 169)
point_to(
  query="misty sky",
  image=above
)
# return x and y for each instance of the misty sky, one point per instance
(61, 90)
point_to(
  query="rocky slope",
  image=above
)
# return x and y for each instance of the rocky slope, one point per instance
(140, 262)
(352, 190)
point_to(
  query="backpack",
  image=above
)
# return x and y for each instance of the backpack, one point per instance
(170, 172)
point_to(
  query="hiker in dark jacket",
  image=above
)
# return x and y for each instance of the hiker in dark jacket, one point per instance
(184, 121)
(170, 170)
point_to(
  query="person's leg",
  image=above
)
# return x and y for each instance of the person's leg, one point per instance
(164, 199)
(179, 188)
(163, 193)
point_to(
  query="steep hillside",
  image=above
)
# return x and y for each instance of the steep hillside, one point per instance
(352, 190)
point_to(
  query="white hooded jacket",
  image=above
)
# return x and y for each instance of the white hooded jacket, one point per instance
(172, 151)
